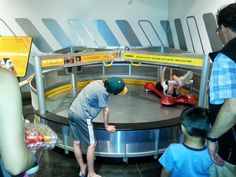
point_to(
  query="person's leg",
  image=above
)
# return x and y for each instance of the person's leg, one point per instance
(79, 158)
(171, 89)
(90, 161)
(79, 131)
(163, 73)
(185, 79)
(173, 84)
(91, 141)
(171, 74)
(177, 90)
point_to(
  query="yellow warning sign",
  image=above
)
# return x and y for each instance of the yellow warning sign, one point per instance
(98, 57)
(14, 53)
(180, 60)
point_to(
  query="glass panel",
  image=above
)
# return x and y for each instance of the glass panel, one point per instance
(166, 26)
(106, 32)
(194, 35)
(150, 33)
(5, 30)
(180, 34)
(81, 30)
(57, 32)
(211, 27)
(32, 31)
(128, 33)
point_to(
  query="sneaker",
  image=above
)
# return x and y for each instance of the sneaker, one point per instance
(186, 79)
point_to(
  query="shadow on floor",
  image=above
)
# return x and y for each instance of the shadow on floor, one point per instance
(56, 163)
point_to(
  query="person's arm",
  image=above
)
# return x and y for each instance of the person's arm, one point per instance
(171, 74)
(15, 156)
(226, 119)
(26, 81)
(14, 71)
(165, 173)
(110, 128)
(163, 73)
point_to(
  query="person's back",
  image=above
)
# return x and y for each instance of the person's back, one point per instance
(191, 157)
(90, 100)
(14, 155)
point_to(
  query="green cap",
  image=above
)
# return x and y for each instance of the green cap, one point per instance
(115, 85)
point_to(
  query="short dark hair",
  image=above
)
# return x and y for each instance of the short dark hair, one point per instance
(227, 16)
(196, 121)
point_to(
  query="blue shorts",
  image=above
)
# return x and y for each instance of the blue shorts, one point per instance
(82, 129)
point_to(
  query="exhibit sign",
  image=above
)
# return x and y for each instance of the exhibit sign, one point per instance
(14, 53)
(170, 59)
(70, 60)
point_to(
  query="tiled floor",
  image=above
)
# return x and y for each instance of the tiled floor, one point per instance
(54, 163)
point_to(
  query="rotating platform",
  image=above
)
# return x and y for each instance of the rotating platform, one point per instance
(144, 126)
(137, 107)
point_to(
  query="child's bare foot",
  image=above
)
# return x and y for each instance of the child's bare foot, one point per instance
(94, 175)
(83, 171)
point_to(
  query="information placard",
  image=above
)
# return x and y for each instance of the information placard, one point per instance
(180, 60)
(70, 60)
(15, 50)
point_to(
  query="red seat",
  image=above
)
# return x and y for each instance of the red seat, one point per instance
(169, 100)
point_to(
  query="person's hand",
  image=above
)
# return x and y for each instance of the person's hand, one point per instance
(111, 128)
(30, 78)
(212, 149)
(9, 65)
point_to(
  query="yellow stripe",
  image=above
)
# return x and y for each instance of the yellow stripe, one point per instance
(58, 90)
(180, 60)
(67, 88)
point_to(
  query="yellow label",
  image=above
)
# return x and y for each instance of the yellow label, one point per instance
(181, 60)
(98, 57)
(16, 49)
(52, 62)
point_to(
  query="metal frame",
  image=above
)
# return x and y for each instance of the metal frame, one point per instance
(40, 86)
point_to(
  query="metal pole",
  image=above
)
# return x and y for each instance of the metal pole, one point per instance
(203, 84)
(157, 133)
(39, 84)
(73, 83)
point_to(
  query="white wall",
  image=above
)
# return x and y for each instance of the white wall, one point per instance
(86, 11)
(184, 8)
(109, 11)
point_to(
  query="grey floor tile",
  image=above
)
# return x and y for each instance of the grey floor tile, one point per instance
(54, 163)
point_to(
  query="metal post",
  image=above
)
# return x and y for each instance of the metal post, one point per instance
(65, 132)
(125, 158)
(39, 84)
(157, 133)
(203, 84)
(73, 83)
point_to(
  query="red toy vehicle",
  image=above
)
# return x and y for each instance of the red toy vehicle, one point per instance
(170, 100)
